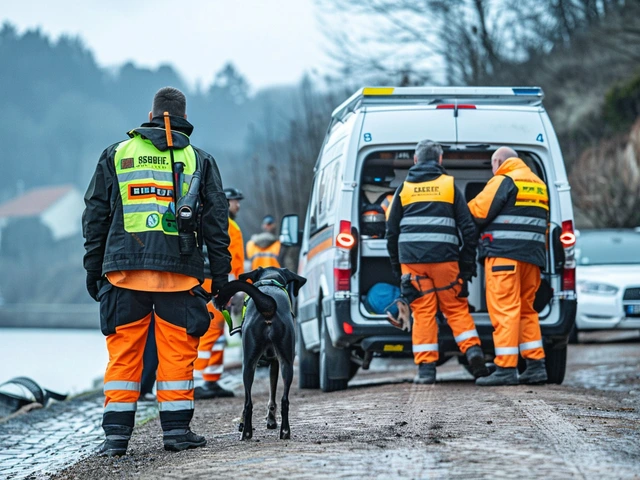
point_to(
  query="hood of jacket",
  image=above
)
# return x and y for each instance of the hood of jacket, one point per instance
(155, 132)
(423, 172)
(511, 164)
(264, 239)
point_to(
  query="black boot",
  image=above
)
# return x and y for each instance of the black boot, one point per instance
(535, 373)
(182, 439)
(116, 442)
(502, 376)
(475, 357)
(211, 390)
(426, 374)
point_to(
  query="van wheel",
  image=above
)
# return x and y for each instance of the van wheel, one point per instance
(573, 335)
(556, 362)
(308, 363)
(331, 355)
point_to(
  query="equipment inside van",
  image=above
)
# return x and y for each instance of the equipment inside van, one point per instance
(365, 156)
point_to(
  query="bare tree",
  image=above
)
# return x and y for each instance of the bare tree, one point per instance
(606, 181)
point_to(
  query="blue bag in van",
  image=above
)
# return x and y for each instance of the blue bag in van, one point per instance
(380, 296)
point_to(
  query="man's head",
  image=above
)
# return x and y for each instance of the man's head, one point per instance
(233, 197)
(169, 99)
(269, 224)
(499, 157)
(427, 151)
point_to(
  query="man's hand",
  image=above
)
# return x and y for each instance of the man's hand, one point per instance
(217, 283)
(468, 270)
(92, 284)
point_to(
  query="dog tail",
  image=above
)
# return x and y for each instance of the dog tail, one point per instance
(265, 304)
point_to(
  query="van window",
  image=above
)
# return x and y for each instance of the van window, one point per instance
(323, 201)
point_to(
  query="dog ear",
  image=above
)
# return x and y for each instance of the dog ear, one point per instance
(253, 275)
(297, 280)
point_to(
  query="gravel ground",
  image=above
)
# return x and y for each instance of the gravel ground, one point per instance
(384, 426)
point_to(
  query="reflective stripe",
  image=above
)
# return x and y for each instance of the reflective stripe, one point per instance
(530, 345)
(176, 385)
(121, 407)
(140, 207)
(440, 221)
(425, 347)
(507, 351)
(175, 406)
(428, 237)
(521, 220)
(505, 234)
(264, 255)
(466, 335)
(217, 347)
(122, 385)
(204, 354)
(213, 369)
(145, 175)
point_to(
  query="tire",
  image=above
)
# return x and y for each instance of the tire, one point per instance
(308, 363)
(329, 353)
(573, 335)
(354, 367)
(556, 362)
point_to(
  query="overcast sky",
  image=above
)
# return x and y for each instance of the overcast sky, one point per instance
(270, 41)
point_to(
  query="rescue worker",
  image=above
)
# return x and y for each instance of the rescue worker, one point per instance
(141, 261)
(263, 250)
(210, 363)
(511, 212)
(426, 213)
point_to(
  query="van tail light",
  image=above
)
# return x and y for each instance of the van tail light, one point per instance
(342, 260)
(568, 240)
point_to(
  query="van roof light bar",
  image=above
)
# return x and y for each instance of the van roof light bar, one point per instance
(528, 96)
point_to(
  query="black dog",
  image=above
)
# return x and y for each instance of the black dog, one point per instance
(267, 330)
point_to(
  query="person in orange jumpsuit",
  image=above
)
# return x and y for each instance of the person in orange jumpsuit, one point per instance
(426, 214)
(143, 260)
(263, 249)
(512, 212)
(210, 363)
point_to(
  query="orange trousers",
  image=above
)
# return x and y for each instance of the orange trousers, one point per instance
(209, 365)
(425, 330)
(511, 290)
(176, 355)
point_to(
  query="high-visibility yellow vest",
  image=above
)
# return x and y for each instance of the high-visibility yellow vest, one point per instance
(146, 184)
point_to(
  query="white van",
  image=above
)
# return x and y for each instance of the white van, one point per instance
(366, 154)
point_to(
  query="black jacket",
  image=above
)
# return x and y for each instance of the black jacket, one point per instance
(110, 248)
(420, 231)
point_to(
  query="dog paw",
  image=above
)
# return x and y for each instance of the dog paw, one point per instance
(285, 434)
(272, 424)
(240, 426)
(246, 435)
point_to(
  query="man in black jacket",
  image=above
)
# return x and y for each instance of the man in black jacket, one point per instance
(144, 256)
(426, 214)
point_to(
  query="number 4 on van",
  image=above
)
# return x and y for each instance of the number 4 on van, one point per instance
(539, 138)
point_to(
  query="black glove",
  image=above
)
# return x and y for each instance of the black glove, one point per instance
(217, 283)
(199, 291)
(92, 284)
(464, 289)
(468, 270)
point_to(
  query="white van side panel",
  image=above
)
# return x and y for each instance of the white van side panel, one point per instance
(385, 126)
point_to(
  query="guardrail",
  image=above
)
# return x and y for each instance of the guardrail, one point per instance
(53, 315)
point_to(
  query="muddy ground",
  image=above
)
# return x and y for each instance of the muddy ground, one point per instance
(384, 426)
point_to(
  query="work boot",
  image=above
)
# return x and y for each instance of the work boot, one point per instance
(475, 357)
(182, 439)
(426, 374)
(502, 376)
(211, 390)
(535, 373)
(113, 446)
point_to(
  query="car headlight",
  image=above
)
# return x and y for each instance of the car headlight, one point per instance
(597, 288)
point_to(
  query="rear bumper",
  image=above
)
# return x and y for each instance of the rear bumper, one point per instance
(388, 339)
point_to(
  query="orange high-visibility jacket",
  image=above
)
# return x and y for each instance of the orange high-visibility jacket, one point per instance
(512, 213)
(263, 251)
(236, 249)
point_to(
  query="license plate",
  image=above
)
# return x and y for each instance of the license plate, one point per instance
(632, 310)
(393, 348)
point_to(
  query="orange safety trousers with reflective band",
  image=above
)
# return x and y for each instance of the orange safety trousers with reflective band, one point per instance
(511, 290)
(210, 363)
(425, 330)
(176, 355)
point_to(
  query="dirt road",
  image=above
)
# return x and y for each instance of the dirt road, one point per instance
(384, 426)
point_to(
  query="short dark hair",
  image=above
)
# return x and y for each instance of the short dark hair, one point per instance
(169, 99)
(428, 151)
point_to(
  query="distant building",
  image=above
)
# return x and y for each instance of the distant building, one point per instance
(41, 215)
